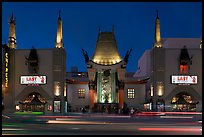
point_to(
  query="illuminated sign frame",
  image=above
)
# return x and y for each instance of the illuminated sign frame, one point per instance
(6, 67)
(181, 79)
(36, 79)
(57, 107)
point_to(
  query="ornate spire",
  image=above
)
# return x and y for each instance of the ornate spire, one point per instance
(157, 41)
(59, 43)
(113, 29)
(99, 29)
(157, 14)
(12, 33)
(59, 18)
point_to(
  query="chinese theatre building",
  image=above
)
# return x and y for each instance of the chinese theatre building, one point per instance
(33, 80)
(106, 87)
(78, 94)
(174, 66)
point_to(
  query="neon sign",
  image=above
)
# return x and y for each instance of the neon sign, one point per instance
(184, 79)
(56, 106)
(6, 70)
(33, 79)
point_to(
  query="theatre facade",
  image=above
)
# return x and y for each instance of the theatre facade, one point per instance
(106, 87)
(174, 66)
(33, 80)
(168, 78)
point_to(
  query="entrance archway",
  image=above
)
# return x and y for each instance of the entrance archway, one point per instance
(33, 102)
(178, 99)
(183, 101)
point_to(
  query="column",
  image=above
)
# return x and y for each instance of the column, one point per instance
(91, 94)
(121, 94)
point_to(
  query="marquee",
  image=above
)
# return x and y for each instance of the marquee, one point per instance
(33, 79)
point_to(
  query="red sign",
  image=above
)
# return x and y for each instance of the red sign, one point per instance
(184, 79)
(36, 80)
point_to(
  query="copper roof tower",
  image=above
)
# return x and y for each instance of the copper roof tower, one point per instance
(106, 52)
(157, 40)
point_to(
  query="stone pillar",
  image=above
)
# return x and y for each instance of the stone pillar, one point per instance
(91, 94)
(121, 94)
(91, 98)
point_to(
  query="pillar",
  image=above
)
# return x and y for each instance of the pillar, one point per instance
(91, 94)
(121, 98)
(91, 98)
(121, 94)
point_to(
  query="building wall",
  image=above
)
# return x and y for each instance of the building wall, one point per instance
(144, 65)
(77, 103)
(59, 75)
(172, 68)
(45, 68)
(73, 99)
(178, 43)
(80, 80)
(9, 92)
(168, 62)
(139, 99)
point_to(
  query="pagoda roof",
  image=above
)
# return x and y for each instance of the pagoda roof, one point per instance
(106, 51)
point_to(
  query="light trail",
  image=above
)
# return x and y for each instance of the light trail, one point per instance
(175, 117)
(11, 129)
(75, 122)
(170, 129)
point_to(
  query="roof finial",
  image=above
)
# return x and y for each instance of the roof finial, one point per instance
(12, 19)
(157, 13)
(59, 14)
(113, 28)
(12, 15)
(99, 29)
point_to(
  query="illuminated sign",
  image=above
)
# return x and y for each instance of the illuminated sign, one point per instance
(56, 106)
(6, 69)
(33, 79)
(184, 79)
(49, 107)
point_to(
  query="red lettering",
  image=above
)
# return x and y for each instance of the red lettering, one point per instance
(183, 78)
(31, 78)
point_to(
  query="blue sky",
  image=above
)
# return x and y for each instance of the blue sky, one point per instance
(134, 23)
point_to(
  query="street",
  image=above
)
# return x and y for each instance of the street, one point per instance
(103, 124)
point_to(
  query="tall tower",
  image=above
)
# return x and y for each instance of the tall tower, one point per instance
(12, 33)
(59, 70)
(9, 68)
(59, 43)
(158, 69)
(157, 40)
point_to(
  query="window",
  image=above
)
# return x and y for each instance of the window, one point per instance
(81, 93)
(131, 93)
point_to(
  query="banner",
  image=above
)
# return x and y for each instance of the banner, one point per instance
(184, 79)
(33, 79)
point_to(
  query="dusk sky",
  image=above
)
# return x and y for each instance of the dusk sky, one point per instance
(134, 24)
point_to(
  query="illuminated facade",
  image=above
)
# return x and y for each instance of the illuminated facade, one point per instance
(175, 71)
(30, 81)
(106, 71)
(78, 93)
(106, 86)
